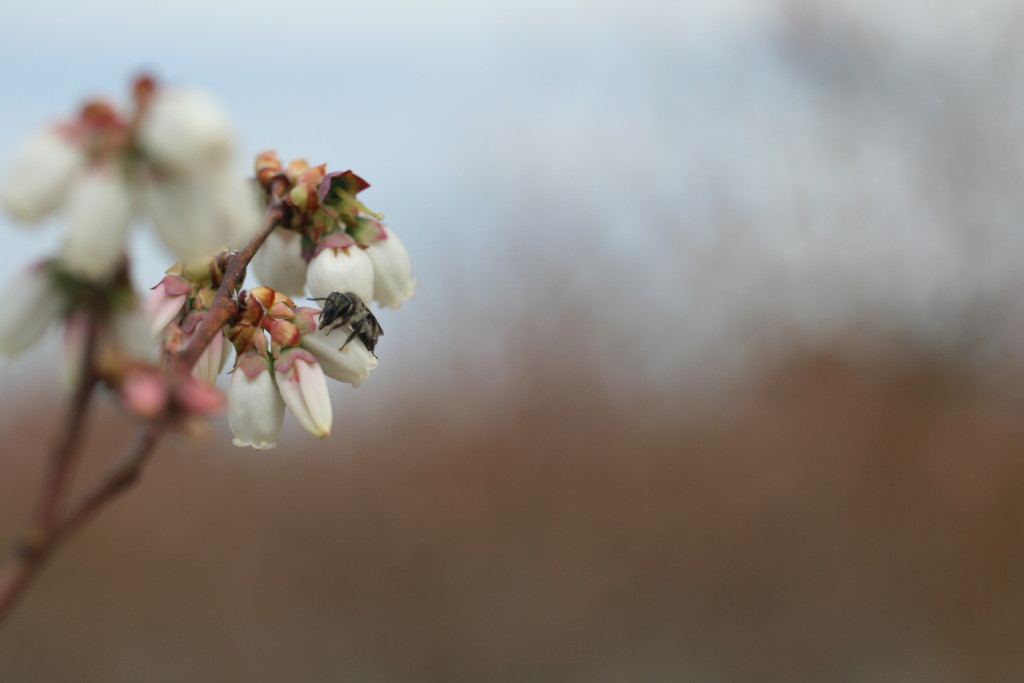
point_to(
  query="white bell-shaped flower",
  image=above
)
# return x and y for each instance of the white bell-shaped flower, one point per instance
(346, 269)
(198, 218)
(40, 175)
(278, 264)
(303, 387)
(255, 408)
(31, 304)
(98, 214)
(186, 132)
(239, 210)
(393, 283)
(350, 364)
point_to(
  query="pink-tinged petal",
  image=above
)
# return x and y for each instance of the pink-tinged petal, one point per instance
(163, 306)
(196, 399)
(335, 240)
(282, 332)
(343, 180)
(211, 362)
(303, 388)
(144, 392)
(306, 319)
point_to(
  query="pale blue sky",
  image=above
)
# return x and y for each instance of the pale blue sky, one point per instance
(442, 106)
(696, 163)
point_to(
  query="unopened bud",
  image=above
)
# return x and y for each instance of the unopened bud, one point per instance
(282, 332)
(268, 165)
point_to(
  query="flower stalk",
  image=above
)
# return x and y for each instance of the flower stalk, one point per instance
(48, 526)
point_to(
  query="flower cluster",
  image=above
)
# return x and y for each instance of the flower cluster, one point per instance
(169, 159)
(293, 372)
(282, 356)
(326, 243)
(284, 352)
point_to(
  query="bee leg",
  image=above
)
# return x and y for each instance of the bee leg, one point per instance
(347, 340)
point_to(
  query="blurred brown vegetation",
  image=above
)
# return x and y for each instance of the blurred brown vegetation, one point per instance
(836, 520)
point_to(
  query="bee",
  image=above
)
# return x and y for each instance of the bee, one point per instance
(346, 308)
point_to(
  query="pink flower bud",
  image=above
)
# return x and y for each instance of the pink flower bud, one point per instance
(282, 332)
(193, 398)
(144, 392)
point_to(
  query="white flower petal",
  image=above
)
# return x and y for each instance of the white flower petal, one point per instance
(278, 264)
(40, 175)
(255, 410)
(196, 218)
(351, 364)
(211, 361)
(187, 132)
(341, 270)
(31, 304)
(98, 214)
(303, 388)
(393, 283)
(239, 212)
(162, 308)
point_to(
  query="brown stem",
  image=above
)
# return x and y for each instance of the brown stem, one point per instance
(63, 455)
(120, 475)
(30, 554)
(47, 529)
(224, 307)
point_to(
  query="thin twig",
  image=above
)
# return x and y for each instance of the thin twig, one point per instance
(48, 529)
(30, 555)
(61, 459)
(34, 544)
(224, 307)
(119, 476)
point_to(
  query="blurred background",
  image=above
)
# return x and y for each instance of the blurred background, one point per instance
(714, 372)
